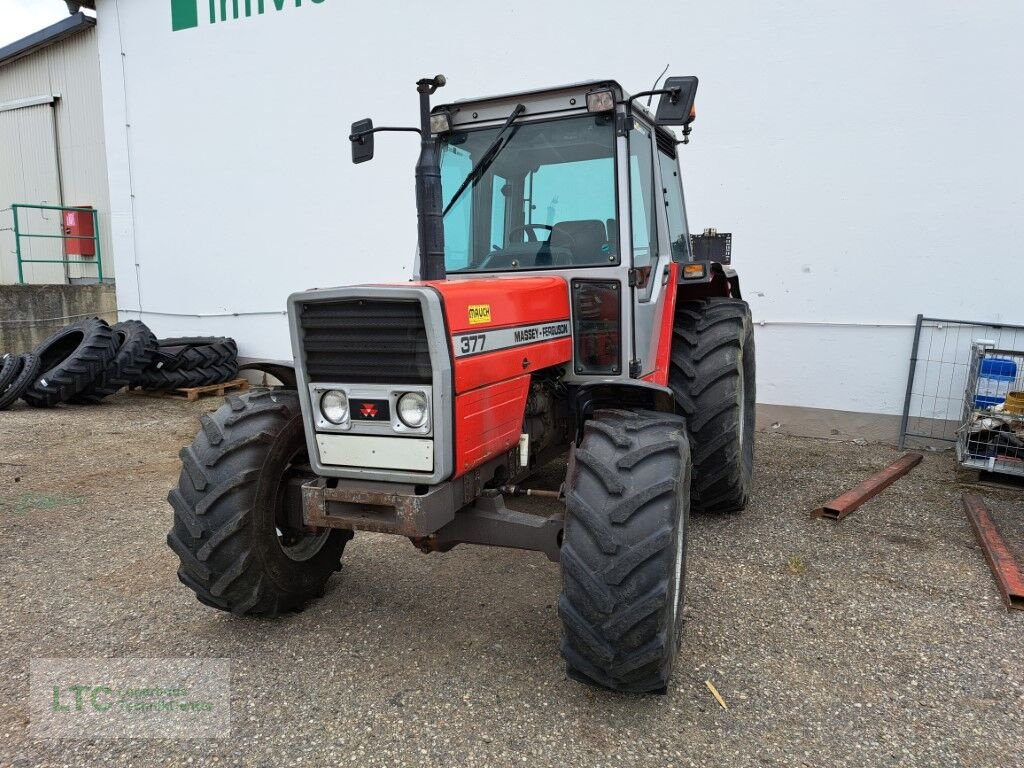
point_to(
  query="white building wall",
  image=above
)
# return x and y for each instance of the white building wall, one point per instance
(864, 156)
(40, 143)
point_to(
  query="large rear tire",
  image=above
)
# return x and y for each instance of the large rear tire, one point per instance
(624, 550)
(239, 549)
(713, 379)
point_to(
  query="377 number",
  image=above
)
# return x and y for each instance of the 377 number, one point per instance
(471, 344)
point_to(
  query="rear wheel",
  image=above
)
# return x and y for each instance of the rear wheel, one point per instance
(713, 379)
(237, 525)
(624, 550)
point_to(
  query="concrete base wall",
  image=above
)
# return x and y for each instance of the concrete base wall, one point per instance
(30, 313)
(821, 422)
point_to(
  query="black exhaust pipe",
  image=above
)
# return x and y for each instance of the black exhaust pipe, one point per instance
(429, 200)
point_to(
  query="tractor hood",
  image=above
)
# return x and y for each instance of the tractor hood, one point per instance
(499, 328)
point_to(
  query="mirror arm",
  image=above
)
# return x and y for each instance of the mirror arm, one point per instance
(673, 92)
(359, 136)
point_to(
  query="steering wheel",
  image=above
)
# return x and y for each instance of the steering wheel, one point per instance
(530, 230)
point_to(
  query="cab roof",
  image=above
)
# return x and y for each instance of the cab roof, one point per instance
(538, 101)
(585, 85)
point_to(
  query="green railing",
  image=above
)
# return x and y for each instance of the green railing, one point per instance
(96, 261)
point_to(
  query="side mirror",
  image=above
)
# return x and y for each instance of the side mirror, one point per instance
(677, 108)
(362, 140)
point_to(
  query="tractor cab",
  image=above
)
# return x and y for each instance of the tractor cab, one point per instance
(568, 182)
(580, 181)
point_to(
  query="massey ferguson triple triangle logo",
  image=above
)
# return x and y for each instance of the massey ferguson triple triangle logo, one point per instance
(187, 14)
(369, 410)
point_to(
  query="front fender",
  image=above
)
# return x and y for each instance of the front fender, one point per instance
(280, 370)
(637, 394)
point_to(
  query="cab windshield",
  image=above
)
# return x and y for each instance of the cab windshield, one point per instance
(546, 201)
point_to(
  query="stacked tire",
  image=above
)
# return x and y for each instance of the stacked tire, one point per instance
(136, 348)
(89, 360)
(71, 361)
(17, 373)
(191, 362)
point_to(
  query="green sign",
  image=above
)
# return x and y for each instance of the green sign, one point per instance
(185, 13)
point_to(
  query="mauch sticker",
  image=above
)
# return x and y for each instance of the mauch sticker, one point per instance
(479, 313)
(478, 342)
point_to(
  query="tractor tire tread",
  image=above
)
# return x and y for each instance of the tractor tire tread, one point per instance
(9, 370)
(713, 338)
(65, 375)
(217, 535)
(137, 346)
(27, 374)
(192, 354)
(617, 554)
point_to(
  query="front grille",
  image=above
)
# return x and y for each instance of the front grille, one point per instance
(365, 341)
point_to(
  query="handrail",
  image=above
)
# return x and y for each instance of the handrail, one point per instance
(87, 260)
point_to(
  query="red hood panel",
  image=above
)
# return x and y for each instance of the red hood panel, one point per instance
(479, 307)
(508, 301)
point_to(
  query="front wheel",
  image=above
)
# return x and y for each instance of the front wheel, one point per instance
(624, 550)
(237, 529)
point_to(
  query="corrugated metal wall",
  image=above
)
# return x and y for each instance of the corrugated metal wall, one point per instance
(53, 153)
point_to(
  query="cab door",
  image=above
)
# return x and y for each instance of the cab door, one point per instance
(651, 253)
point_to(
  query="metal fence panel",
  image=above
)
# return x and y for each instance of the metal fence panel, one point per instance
(940, 364)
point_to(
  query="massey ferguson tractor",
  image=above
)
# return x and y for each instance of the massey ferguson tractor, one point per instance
(561, 307)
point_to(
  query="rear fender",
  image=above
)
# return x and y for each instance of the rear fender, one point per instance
(719, 280)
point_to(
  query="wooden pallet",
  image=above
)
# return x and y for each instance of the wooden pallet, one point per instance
(194, 393)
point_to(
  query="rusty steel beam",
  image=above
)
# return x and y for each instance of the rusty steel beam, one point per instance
(1007, 572)
(843, 505)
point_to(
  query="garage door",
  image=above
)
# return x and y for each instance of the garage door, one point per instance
(29, 173)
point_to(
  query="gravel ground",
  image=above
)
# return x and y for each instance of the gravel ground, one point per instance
(877, 641)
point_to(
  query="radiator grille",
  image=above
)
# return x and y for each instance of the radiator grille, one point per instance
(365, 341)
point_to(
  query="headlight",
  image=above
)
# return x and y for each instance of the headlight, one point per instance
(412, 410)
(334, 406)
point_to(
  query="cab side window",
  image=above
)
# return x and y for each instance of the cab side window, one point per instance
(642, 199)
(672, 190)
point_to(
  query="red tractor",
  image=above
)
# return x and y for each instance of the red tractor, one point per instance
(561, 306)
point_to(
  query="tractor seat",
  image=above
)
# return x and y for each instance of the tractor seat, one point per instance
(586, 239)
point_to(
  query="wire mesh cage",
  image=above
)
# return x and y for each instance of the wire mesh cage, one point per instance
(991, 435)
(940, 371)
